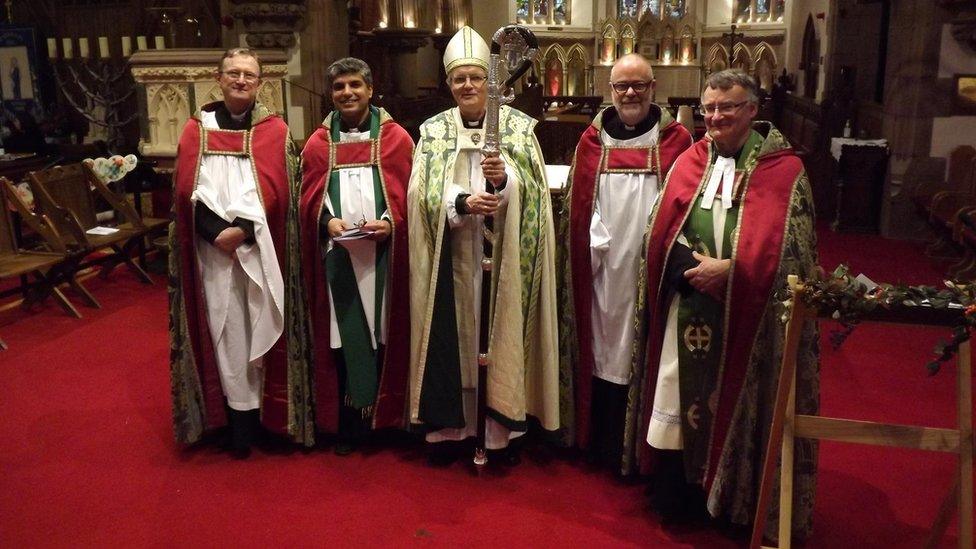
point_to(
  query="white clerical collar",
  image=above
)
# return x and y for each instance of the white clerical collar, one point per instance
(723, 174)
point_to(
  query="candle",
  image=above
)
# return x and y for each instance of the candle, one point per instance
(68, 48)
(126, 46)
(103, 47)
(141, 43)
(52, 48)
(83, 48)
(160, 44)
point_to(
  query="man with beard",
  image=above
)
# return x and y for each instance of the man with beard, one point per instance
(457, 198)
(355, 172)
(236, 320)
(619, 167)
(735, 218)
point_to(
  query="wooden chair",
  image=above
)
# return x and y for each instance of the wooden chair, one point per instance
(964, 234)
(940, 202)
(44, 266)
(67, 194)
(787, 425)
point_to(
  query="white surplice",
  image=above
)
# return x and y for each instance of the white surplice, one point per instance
(245, 298)
(358, 204)
(468, 178)
(621, 209)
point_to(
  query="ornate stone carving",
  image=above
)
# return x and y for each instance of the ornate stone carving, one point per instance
(270, 24)
(168, 108)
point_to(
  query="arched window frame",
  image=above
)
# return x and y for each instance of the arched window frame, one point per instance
(747, 11)
(551, 17)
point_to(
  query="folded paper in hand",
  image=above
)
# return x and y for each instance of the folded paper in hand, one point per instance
(101, 231)
(353, 234)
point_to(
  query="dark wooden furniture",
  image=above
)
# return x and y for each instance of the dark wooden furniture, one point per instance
(859, 180)
(44, 266)
(939, 202)
(67, 194)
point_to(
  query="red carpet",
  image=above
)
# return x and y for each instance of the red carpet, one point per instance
(87, 456)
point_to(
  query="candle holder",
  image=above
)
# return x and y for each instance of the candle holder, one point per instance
(99, 90)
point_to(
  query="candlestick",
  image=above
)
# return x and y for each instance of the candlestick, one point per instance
(103, 47)
(52, 48)
(68, 48)
(160, 43)
(126, 46)
(83, 48)
(141, 43)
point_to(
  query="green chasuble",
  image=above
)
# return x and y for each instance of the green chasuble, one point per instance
(357, 349)
(700, 321)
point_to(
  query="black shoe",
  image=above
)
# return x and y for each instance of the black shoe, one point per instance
(508, 457)
(240, 453)
(241, 425)
(442, 454)
(344, 448)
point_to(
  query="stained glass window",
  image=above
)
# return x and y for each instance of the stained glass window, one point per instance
(522, 10)
(627, 8)
(675, 8)
(559, 11)
(653, 6)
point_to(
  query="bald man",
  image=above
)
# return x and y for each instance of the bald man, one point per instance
(618, 170)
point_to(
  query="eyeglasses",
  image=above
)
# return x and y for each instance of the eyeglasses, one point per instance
(638, 86)
(248, 77)
(725, 109)
(476, 80)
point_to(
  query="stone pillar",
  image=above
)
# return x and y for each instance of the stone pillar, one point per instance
(909, 108)
(323, 39)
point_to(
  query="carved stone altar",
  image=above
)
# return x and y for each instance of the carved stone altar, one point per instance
(175, 83)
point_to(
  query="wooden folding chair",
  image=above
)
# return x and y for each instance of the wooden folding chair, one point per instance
(787, 425)
(43, 266)
(67, 195)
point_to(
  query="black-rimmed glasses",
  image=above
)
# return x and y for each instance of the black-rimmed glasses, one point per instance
(638, 86)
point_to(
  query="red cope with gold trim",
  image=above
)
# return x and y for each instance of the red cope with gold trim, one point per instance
(763, 213)
(228, 142)
(267, 143)
(392, 153)
(593, 158)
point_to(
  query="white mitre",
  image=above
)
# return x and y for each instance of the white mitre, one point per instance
(467, 47)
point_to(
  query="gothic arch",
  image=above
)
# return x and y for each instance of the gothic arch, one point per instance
(686, 45)
(718, 58)
(742, 57)
(576, 70)
(554, 67)
(627, 39)
(557, 50)
(608, 41)
(168, 110)
(766, 66)
(810, 59)
(667, 52)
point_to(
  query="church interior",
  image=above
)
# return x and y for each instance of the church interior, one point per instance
(876, 97)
